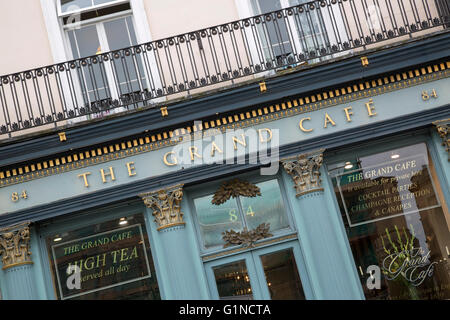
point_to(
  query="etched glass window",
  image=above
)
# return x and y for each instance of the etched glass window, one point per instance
(112, 258)
(397, 223)
(241, 212)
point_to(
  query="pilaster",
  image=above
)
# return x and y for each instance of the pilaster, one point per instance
(327, 255)
(17, 264)
(175, 243)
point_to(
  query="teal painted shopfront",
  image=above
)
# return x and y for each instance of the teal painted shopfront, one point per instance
(325, 191)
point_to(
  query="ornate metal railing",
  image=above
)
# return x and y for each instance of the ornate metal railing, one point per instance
(133, 77)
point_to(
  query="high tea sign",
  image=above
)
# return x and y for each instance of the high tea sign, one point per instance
(104, 260)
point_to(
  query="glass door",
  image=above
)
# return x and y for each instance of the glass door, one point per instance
(262, 274)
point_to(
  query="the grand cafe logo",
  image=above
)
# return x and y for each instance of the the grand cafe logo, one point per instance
(404, 261)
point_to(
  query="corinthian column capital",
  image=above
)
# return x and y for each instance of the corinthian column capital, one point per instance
(15, 245)
(166, 207)
(443, 128)
(304, 170)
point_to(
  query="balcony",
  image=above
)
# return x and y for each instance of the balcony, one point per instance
(184, 65)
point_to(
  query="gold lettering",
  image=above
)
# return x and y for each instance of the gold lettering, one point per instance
(328, 120)
(243, 142)
(348, 113)
(370, 108)
(123, 254)
(303, 128)
(131, 168)
(89, 260)
(194, 152)
(261, 137)
(166, 161)
(133, 253)
(103, 260)
(84, 175)
(114, 254)
(214, 148)
(104, 175)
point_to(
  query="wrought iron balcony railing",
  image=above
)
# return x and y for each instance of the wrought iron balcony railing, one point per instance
(134, 76)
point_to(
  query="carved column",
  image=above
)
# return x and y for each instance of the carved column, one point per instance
(175, 249)
(165, 204)
(304, 170)
(320, 231)
(443, 128)
(16, 262)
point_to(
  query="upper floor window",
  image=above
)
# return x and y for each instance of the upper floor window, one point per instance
(307, 31)
(99, 27)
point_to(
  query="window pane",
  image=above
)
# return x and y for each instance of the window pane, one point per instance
(213, 219)
(392, 208)
(233, 282)
(114, 259)
(275, 33)
(85, 42)
(74, 5)
(282, 276)
(129, 69)
(97, 2)
(267, 208)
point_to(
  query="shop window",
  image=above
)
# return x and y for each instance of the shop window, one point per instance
(113, 259)
(397, 223)
(239, 205)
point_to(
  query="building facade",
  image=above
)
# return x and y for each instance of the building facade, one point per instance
(245, 149)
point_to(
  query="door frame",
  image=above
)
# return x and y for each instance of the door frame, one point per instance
(255, 269)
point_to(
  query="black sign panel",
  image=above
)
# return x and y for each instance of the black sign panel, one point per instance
(104, 260)
(387, 190)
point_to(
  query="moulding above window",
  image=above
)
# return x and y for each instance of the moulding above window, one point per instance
(235, 188)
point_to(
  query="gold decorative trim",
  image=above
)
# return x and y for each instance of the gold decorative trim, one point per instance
(304, 170)
(164, 111)
(247, 238)
(234, 188)
(62, 136)
(262, 86)
(364, 61)
(15, 245)
(166, 207)
(291, 107)
(443, 128)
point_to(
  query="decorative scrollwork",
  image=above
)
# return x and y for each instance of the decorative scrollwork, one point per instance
(166, 207)
(304, 170)
(246, 237)
(234, 188)
(443, 128)
(15, 245)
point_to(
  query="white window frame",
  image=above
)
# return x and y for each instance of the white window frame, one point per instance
(59, 41)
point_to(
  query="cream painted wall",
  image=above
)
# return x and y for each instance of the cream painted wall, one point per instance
(23, 36)
(187, 16)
